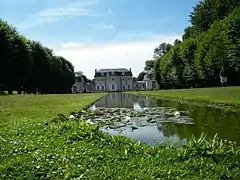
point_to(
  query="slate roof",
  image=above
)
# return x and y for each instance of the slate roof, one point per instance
(113, 72)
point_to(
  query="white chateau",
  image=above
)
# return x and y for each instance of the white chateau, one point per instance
(148, 83)
(113, 80)
(116, 80)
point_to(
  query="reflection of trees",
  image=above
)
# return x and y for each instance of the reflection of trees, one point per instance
(207, 120)
(181, 130)
(167, 132)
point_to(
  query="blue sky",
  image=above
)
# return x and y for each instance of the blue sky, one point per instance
(100, 33)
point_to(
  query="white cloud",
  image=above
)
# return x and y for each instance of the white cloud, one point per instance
(71, 45)
(133, 54)
(102, 26)
(72, 9)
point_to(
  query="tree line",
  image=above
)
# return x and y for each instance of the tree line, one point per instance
(211, 42)
(28, 66)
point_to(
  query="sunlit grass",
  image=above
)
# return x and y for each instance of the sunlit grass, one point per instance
(34, 144)
(222, 96)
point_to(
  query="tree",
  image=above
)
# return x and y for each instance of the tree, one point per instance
(177, 42)
(209, 43)
(78, 73)
(149, 64)
(22, 63)
(80, 77)
(161, 50)
(7, 54)
(188, 32)
(29, 66)
(206, 12)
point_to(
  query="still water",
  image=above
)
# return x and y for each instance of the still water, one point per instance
(171, 119)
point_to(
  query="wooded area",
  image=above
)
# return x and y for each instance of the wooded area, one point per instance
(210, 43)
(28, 66)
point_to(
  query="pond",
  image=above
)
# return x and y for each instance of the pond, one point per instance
(148, 120)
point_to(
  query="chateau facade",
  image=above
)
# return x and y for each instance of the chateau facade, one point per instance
(113, 80)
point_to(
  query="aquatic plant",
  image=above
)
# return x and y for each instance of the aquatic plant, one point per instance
(36, 143)
(74, 149)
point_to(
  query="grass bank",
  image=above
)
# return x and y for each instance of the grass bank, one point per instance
(227, 96)
(34, 146)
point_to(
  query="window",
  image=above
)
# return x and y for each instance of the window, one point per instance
(98, 88)
(123, 79)
(113, 79)
(151, 77)
(113, 87)
(129, 87)
(153, 85)
(123, 87)
(102, 88)
(74, 89)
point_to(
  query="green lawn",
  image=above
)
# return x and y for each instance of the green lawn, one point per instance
(33, 145)
(18, 107)
(228, 96)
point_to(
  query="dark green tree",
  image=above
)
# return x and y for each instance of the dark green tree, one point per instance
(209, 43)
(28, 66)
(161, 50)
(149, 64)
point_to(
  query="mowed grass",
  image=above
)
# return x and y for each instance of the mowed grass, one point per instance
(36, 145)
(228, 96)
(16, 107)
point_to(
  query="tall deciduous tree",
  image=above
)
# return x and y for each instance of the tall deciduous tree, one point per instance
(209, 43)
(27, 65)
(161, 50)
(149, 64)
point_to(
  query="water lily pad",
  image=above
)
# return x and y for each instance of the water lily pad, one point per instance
(134, 128)
(152, 121)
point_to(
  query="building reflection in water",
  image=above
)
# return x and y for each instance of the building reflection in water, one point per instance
(206, 119)
(125, 100)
